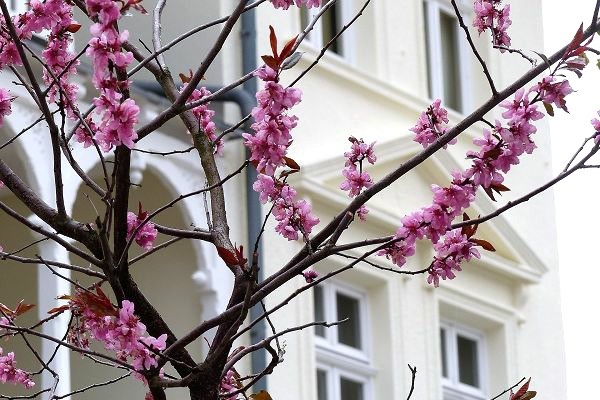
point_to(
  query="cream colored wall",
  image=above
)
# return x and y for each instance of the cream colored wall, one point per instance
(511, 297)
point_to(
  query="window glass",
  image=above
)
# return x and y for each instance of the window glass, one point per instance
(444, 352)
(349, 331)
(350, 389)
(450, 61)
(319, 310)
(467, 361)
(321, 385)
(329, 27)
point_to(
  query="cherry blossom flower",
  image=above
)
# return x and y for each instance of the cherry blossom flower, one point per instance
(490, 15)
(310, 275)
(285, 4)
(5, 104)
(146, 235)
(9, 373)
(431, 125)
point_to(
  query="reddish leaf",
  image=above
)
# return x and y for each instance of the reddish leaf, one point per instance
(484, 244)
(498, 187)
(57, 310)
(287, 49)
(227, 255)
(522, 390)
(489, 192)
(291, 163)
(22, 308)
(271, 62)
(574, 43)
(6, 310)
(273, 41)
(240, 255)
(186, 78)
(262, 395)
(73, 28)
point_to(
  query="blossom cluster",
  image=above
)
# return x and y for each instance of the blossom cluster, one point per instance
(119, 330)
(489, 14)
(285, 4)
(268, 147)
(431, 125)
(205, 116)
(595, 123)
(9, 373)
(118, 117)
(146, 235)
(355, 178)
(229, 383)
(499, 150)
(55, 16)
(292, 216)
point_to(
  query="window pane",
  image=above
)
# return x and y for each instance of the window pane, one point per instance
(349, 331)
(329, 27)
(351, 390)
(304, 19)
(444, 351)
(319, 310)
(321, 385)
(450, 61)
(468, 368)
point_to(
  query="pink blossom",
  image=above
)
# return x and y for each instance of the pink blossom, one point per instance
(294, 218)
(204, 116)
(553, 92)
(596, 125)
(431, 125)
(355, 181)
(285, 4)
(9, 373)
(489, 15)
(5, 104)
(362, 212)
(310, 275)
(146, 235)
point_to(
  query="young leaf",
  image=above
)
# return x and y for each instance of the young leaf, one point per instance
(273, 41)
(227, 255)
(262, 395)
(291, 163)
(287, 49)
(549, 109)
(271, 62)
(72, 28)
(484, 244)
(522, 390)
(22, 308)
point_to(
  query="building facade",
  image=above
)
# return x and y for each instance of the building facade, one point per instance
(471, 338)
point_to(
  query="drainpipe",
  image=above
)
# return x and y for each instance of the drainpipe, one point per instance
(253, 207)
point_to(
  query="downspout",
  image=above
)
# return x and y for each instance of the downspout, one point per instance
(253, 207)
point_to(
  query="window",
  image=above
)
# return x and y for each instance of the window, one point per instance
(448, 56)
(462, 357)
(328, 25)
(343, 364)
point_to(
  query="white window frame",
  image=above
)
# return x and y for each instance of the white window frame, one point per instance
(343, 8)
(337, 359)
(452, 388)
(433, 8)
